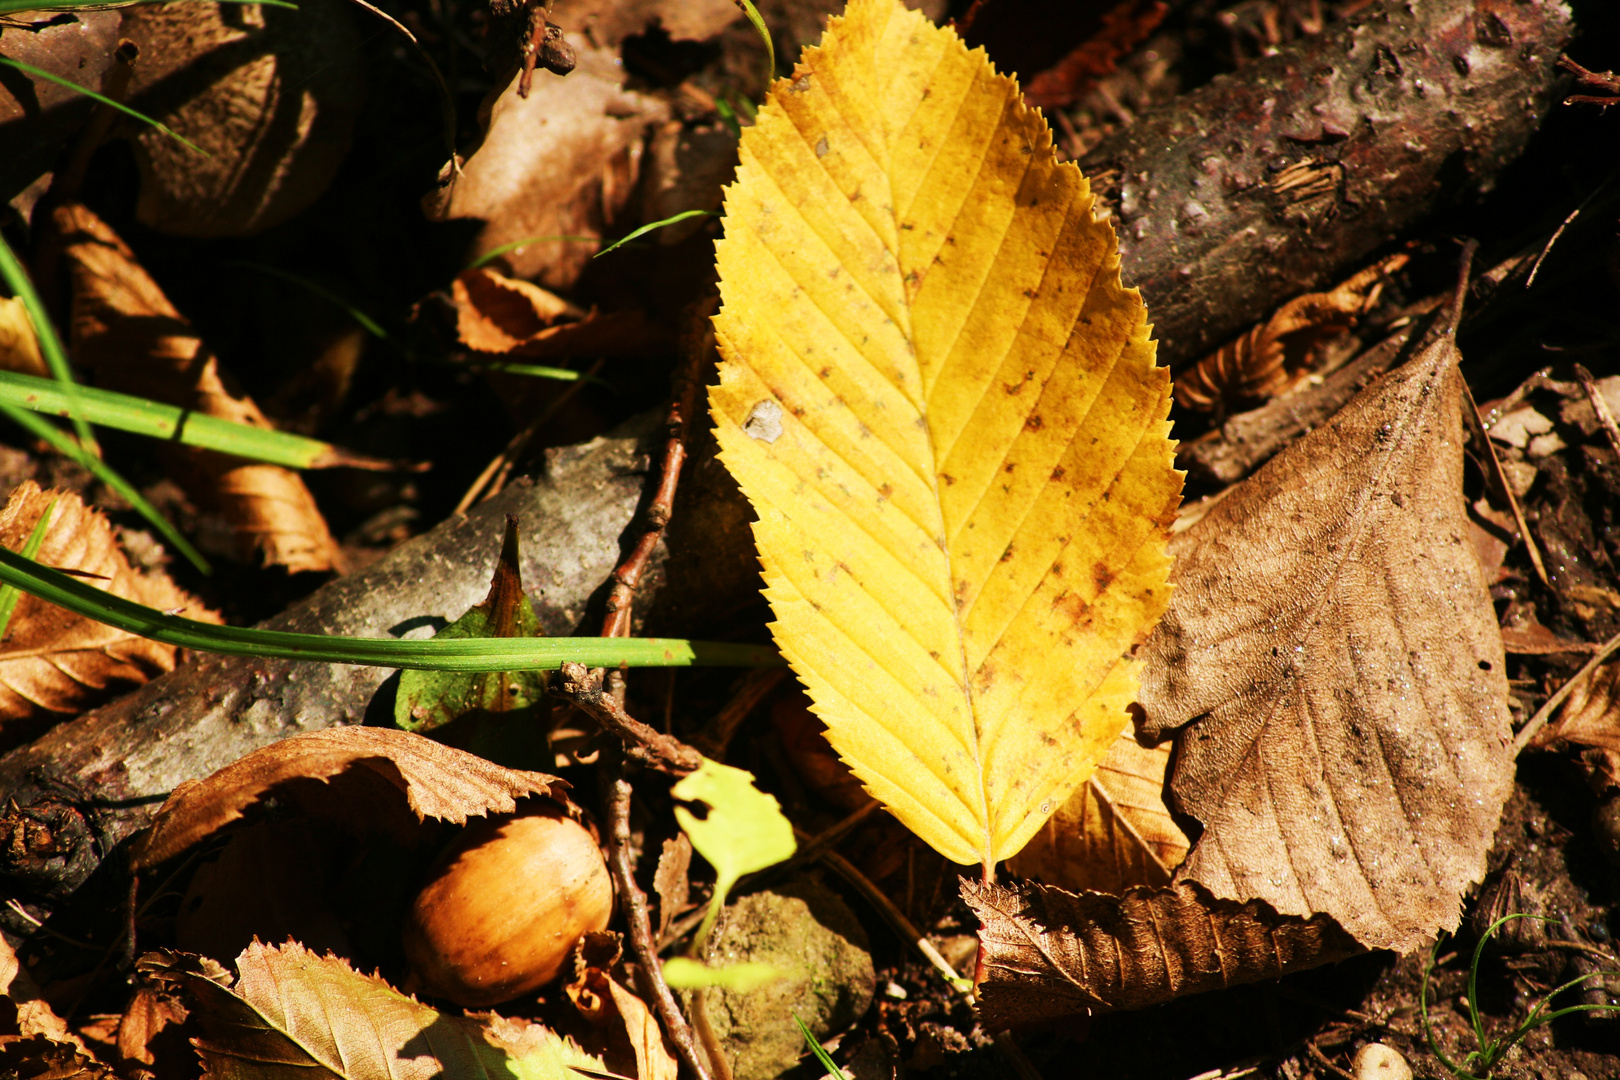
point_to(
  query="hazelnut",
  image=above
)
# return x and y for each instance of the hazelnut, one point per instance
(504, 906)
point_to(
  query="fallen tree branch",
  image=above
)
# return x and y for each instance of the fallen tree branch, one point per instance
(1278, 179)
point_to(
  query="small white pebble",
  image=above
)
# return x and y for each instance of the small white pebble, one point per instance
(1375, 1061)
(895, 990)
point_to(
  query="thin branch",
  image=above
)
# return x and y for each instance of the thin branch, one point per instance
(1538, 721)
(1497, 478)
(643, 745)
(649, 972)
(1599, 406)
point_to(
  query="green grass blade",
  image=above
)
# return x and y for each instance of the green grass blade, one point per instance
(30, 550)
(459, 654)
(41, 73)
(41, 428)
(759, 24)
(489, 257)
(817, 1051)
(50, 345)
(538, 371)
(367, 323)
(158, 420)
(645, 229)
(13, 7)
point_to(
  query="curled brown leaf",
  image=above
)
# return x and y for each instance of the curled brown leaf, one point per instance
(1273, 356)
(135, 341)
(54, 663)
(1045, 952)
(437, 781)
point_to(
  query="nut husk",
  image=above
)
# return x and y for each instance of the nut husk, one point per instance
(505, 905)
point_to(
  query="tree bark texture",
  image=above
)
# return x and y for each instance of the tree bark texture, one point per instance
(89, 783)
(1264, 184)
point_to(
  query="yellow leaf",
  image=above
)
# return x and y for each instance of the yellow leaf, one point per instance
(1114, 832)
(945, 409)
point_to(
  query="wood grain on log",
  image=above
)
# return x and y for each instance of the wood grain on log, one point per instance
(1264, 184)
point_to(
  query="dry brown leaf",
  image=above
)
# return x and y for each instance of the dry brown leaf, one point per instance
(671, 881)
(1590, 716)
(1115, 832)
(634, 1042)
(34, 1015)
(606, 23)
(1046, 953)
(127, 332)
(271, 95)
(437, 781)
(19, 348)
(150, 1012)
(294, 1014)
(54, 663)
(1272, 357)
(38, 116)
(1331, 668)
(518, 319)
(562, 162)
(654, 1058)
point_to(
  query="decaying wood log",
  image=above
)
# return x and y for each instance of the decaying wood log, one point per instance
(91, 782)
(1270, 182)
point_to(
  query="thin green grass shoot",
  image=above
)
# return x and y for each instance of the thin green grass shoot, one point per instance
(538, 371)
(819, 1052)
(158, 420)
(366, 322)
(41, 73)
(490, 256)
(50, 343)
(759, 24)
(64, 444)
(728, 116)
(684, 215)
(30, 550)
(1490, 1051)
(459, 654)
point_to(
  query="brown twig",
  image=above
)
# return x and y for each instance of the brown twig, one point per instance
(1497, 478)
(1539, 720)
(1606, 81)
(649, 973)
(1599, 406)
(751, 689)
(643, 745)
(1322, 1060)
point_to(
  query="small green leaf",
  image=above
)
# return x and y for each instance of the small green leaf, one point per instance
(489, 713)
(684, 973)
(742, 831)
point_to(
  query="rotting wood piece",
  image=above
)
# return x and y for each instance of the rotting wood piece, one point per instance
(1265, 184)
(69, 797)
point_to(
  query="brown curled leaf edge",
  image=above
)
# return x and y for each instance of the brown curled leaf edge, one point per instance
(1045, 952)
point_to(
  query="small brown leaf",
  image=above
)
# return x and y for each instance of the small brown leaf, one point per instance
(127, 332)
(150, 1011)
(293, 1014)
(670, 880)
(1332, 670)
(19, 348)
(1045, 952)
(556, 168)
(515, 318)
(1273, 356)
(54, 663)
(1115, 832)
(1590, 716)
(437, 781)
(34, 1015)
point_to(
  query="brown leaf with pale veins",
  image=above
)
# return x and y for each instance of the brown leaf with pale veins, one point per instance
(292, 1014)
(1045, 952)
(437, 782)
(54, 663)
(1331, 668)
(1115, 832)
(1273, 356)
(136, 342)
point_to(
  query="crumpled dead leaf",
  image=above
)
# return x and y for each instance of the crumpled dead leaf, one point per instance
(634, 1042)
(54, 663)
(1331, 669)
(518, 319)
(606, 23)
(1113, 833)
(1590, 716)
(152, 1010)
(559, 164)
(135, 341)
(33, 1015)
(271, 95)
(1046, 953)
(437, 781)
(290, 1012)
(1275, 355)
